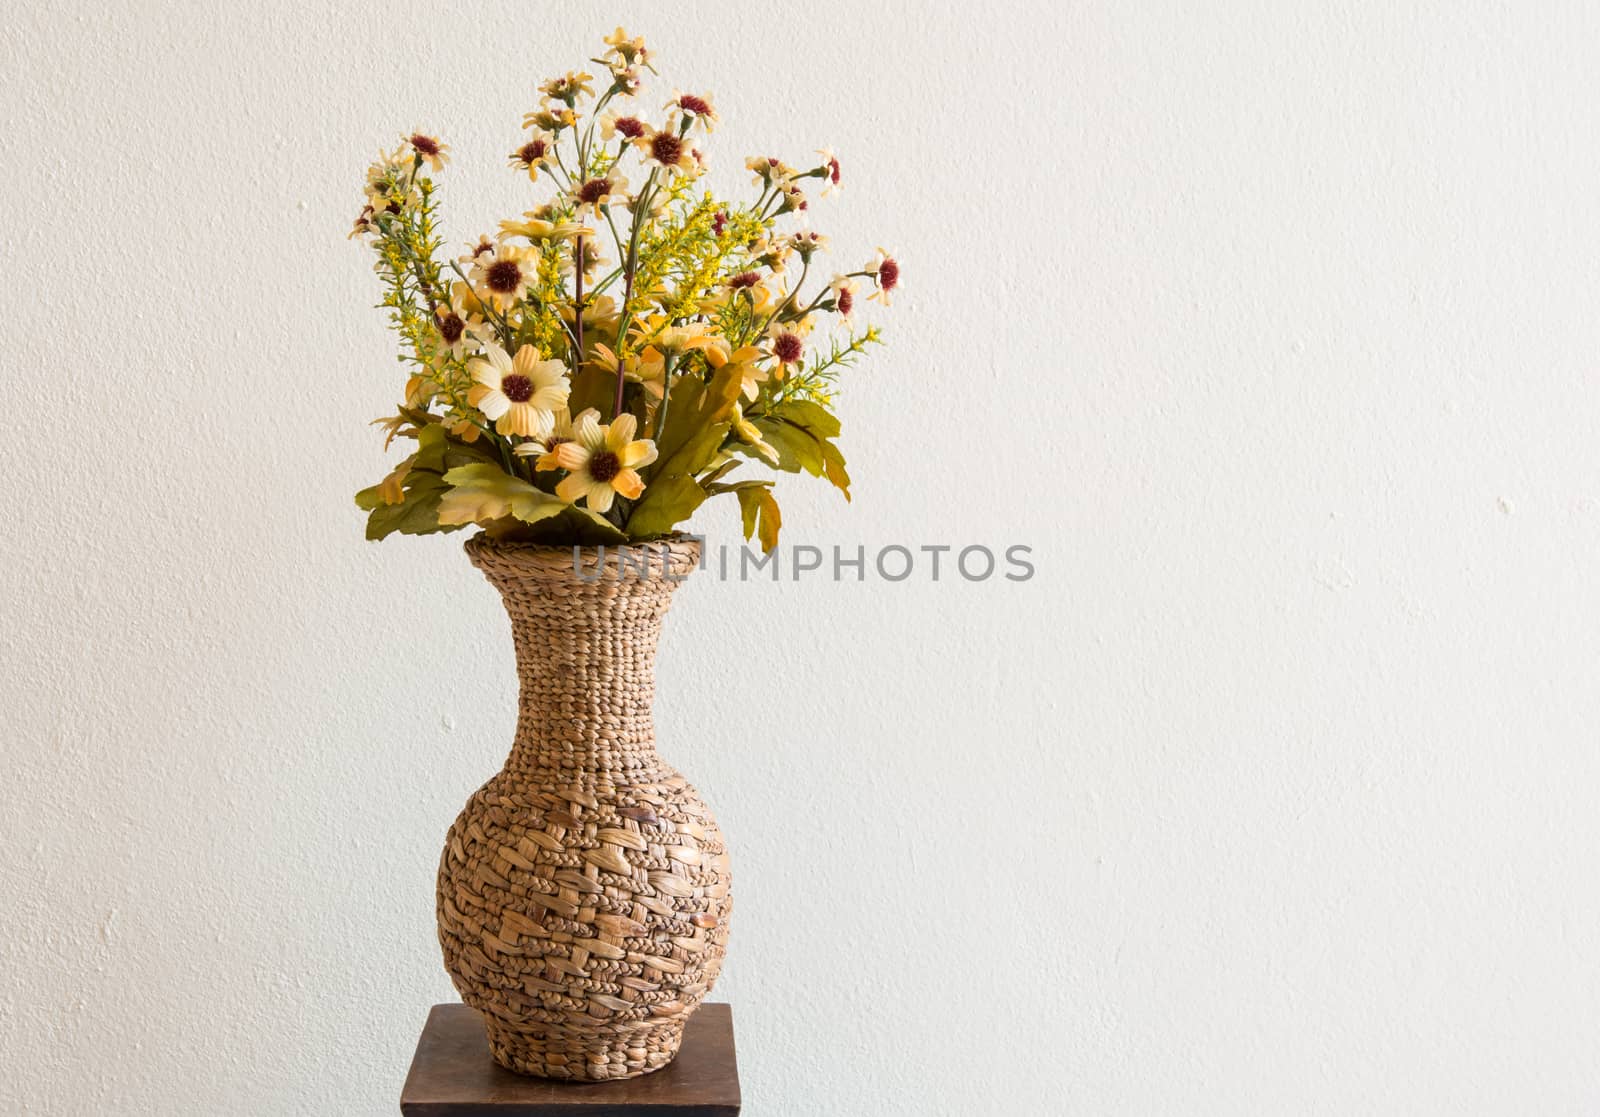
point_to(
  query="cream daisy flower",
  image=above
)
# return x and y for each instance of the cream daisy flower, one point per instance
(628, 127)
(602, 461)
(665, 148)
(696, 108)
(539, 150)
(484, 247)
(807, 243)
(596, 194)
(829, 172)
(569, 87)
(544, 449)
(886, 274)
(626, 50)
(457, 323)
(521, 394)
(433, 153)
(768, 170)
(844, 295)
(502, 275)
(788, 345)
(550, 118)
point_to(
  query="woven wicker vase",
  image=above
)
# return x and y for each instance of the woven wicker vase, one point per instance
(583, 892)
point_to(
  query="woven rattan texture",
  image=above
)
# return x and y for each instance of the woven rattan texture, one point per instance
(584, 891)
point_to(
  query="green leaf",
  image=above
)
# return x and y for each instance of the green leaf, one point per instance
(802, 432)
(417, 514)
(667, 502)
(698, 417)
(481, 493)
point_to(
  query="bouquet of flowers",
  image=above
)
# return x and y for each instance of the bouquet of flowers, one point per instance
(612, 357)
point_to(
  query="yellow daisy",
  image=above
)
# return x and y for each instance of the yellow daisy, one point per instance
(538, 229)
(544, 449)
(602, 461)
(751, 376)
(520, 394)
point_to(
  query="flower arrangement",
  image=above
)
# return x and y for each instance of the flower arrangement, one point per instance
(603, 365)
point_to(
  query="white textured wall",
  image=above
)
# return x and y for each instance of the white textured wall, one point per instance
(1271, 326)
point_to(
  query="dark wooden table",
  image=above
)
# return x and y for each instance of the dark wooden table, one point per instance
(453, 1075)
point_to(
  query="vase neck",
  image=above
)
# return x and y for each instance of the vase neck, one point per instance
(586, 652)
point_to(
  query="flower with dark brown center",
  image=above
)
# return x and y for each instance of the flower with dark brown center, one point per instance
(595, 191)
(451, 327)
(845, 302)
(666, 149)
(503, 276)
(888, 274)
(787, 347)
(744, 279)
(630, 126)
(432, 152)
(517, 388)
(697, 105)
(604, 465)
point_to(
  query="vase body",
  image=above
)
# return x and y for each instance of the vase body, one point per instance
(583, 893)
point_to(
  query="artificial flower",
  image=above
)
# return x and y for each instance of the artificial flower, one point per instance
(844, 295)
(602, 461)
(696, 109)
(550, 118)
(829, 171)
(536, 228)
(751, 375)
(543, 449)
(787, 344)
(568, 87)
(626, 50)
(502, 274)
(433, 153)
(768, 170)
(806, 242)
(599, 192)
(665, 148)
(615, 124)
(538, 151)
(520, 394)
(886, 274)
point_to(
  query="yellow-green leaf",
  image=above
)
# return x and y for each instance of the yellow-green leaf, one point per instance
(481, 493)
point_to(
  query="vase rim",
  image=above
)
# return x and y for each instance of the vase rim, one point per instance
(669, 558)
